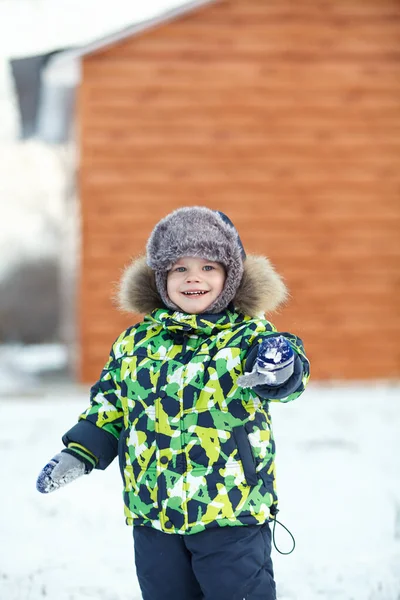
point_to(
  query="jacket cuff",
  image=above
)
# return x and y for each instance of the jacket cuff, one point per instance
(99, 443)
(88, 461)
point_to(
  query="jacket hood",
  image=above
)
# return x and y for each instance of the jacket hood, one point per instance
(260, 291)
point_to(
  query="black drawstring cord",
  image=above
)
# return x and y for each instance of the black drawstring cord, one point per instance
(273, 537)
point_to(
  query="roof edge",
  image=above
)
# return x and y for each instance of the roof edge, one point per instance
(136, 28)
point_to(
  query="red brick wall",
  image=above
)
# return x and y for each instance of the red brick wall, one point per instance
(285, 115)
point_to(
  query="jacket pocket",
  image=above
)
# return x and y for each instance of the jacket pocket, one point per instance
(246, 455)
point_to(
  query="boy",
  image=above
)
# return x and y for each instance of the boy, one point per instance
(183, 402)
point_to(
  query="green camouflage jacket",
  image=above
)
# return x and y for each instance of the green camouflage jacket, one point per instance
(195, 450)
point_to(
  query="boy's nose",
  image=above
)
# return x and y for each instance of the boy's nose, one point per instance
(193, 277)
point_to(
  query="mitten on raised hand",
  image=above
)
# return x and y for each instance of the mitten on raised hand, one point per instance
(60, 470)
(273, 366)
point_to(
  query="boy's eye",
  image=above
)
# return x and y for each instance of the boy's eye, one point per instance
(180, 269)
(208, 268)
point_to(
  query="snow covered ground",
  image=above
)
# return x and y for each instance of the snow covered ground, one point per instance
(339, 482)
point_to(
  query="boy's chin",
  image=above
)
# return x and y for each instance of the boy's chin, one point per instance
(193, 309)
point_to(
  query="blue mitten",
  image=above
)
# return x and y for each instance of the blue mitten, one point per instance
(60, 470)
(273, 366)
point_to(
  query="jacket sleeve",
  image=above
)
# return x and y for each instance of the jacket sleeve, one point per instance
(295, 385)
(99, 427)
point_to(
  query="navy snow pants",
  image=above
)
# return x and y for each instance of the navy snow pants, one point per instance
(227, 563)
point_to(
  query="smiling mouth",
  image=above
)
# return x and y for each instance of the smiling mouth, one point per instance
(197, 293)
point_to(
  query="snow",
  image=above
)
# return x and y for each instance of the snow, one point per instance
(36, 26)
(36, 358)
(29, 362)
(338, 460)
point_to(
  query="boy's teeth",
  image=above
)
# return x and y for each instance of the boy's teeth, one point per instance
(194, 293)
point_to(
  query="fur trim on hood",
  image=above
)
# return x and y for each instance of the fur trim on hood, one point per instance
(261, 289)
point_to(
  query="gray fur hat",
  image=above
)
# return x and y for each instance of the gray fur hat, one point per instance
(201, 232)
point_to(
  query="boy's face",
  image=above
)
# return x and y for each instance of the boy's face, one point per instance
(194, 283)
